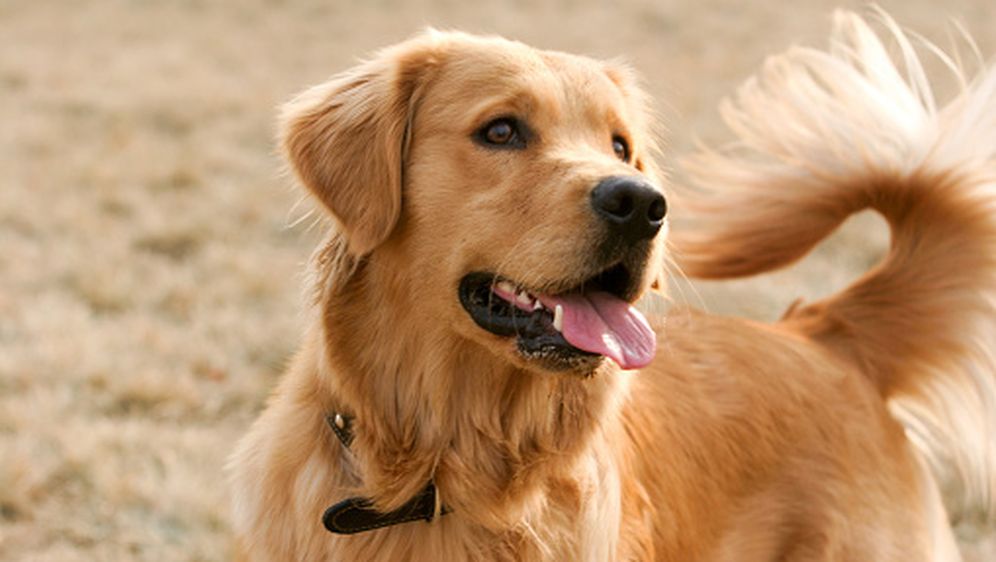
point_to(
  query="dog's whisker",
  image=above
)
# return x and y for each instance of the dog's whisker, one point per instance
(674, 269)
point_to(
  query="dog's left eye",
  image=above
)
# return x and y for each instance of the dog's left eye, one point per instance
(504, 132)
(621, 148)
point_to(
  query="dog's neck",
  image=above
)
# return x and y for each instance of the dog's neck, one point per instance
(430, 405)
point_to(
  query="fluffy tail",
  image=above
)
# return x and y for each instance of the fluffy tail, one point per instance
(822, 135)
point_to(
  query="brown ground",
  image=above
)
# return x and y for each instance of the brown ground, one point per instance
(150, 256)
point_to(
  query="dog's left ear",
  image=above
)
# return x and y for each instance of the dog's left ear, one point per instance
(346, 139)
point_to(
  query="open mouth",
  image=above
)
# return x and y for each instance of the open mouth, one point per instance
(568, 329)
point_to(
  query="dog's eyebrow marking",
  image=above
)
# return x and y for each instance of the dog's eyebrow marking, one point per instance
(521, 104)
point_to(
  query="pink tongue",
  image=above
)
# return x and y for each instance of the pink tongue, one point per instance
(601, 323)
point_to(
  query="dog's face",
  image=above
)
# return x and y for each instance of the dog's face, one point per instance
(511, 190)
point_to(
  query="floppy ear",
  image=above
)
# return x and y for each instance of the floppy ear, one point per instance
(346, 139)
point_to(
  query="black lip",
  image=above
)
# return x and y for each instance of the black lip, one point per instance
(535, 335)
(490, 312)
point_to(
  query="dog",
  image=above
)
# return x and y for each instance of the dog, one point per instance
(477, 384)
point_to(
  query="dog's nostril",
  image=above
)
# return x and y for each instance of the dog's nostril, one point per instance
(617, 203)
(631, 208)
(658, 209)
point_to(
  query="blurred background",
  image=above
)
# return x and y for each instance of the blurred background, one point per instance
(151, 255)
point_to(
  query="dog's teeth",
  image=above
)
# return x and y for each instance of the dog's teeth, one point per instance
(537, 305)
(524, 298)
(558, 318)
(506, 287)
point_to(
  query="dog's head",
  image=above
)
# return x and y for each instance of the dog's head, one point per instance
(511, 191)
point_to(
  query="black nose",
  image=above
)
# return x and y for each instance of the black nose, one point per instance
(632, 209)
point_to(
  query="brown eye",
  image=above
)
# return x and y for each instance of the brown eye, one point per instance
(504, 132)
(500, 132)
(621, 148)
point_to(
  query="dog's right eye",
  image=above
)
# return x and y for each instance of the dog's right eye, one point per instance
(504, 132)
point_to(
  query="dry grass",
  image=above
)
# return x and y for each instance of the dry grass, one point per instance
(149, 269)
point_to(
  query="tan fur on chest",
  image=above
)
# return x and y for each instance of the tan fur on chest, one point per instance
(574, 515)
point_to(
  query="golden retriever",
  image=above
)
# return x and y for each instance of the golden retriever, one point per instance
(475, 359)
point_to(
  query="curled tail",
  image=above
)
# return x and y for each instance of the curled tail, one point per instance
(823, 134)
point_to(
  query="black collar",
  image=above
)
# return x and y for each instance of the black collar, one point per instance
(355, 515)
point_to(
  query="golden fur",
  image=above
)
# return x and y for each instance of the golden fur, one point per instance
(742, 441)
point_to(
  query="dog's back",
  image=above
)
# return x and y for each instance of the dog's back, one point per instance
(825, 134)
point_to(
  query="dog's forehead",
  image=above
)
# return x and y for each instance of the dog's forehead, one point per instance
(497, 69)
